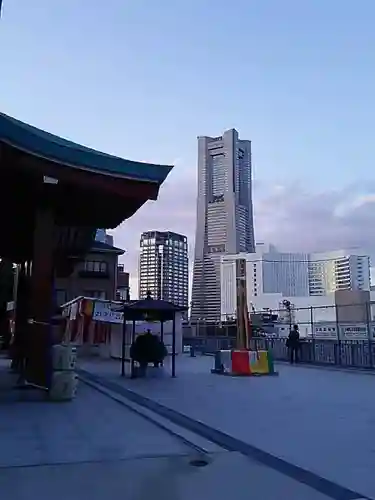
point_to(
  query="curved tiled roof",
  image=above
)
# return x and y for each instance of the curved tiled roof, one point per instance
(105, 247)
(51, 147)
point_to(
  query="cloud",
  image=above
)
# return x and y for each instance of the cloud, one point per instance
(290, 216)
(299, 220)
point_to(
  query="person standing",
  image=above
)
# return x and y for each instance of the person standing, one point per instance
(293, 344)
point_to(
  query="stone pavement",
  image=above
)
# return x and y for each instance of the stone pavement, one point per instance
(91, 428)
(228, 476)
(97, 447)
(320, 420)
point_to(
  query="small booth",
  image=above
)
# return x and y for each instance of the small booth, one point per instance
(96, 327)
(155, 312)
(87, 327)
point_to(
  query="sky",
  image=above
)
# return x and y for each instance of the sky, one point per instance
(142, 79)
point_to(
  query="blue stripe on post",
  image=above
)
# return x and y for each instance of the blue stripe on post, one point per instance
(218, 364)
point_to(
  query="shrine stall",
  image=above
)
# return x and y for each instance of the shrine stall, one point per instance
(95, 327)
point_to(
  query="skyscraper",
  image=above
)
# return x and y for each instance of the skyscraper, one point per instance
(224, 215)
(164, 267)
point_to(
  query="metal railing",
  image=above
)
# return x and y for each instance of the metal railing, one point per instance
(353, 321)
(337, 335)
(342, 353)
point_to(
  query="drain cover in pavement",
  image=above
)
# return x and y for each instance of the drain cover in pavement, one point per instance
(199, 462)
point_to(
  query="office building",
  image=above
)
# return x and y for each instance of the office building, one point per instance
(268, 271)
(349, 308)
(271, 271)
(224, 215)
(271, 275)
(338, 270)
(164, 267)
(102, 236)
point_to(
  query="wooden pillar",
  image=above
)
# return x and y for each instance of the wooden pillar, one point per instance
(174, 345)
(21, 299)
(20, 316)
(41, 300)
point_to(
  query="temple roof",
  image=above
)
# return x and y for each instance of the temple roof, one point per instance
(50, 147)
(99, 246)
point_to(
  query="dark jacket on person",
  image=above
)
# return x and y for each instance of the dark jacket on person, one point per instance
(293, 338)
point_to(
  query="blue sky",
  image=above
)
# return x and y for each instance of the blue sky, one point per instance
(141, 79)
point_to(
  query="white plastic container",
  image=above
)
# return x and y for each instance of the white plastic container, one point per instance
(64, 386)
(64, 357)
(226, 360)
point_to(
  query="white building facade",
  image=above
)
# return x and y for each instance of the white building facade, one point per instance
(278, 272)
(306, 281)
(267, 272)
(338, 270)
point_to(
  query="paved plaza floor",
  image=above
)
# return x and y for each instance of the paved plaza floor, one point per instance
(101, 445)
(321, 420)
(92, 428)
(229, 475)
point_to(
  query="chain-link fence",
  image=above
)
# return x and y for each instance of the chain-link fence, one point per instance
(342, 334)
(341, 321)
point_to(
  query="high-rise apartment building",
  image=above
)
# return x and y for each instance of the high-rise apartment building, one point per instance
(338, 270)
(224, 215)
(164, 267)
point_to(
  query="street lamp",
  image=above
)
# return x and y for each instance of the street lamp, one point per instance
(288, 307)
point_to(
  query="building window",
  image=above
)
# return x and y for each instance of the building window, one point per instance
(95, 266)
(123, 294)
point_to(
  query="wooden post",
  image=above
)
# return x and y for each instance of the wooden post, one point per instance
(123, 346)
(242, 331)
(162, 336)
(132, 364)
(39, 369)
(174, 345)
(20, 316)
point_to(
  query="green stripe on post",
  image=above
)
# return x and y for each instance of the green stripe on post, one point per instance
(271, 367)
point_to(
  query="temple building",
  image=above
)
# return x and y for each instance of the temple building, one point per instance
(54, 196)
